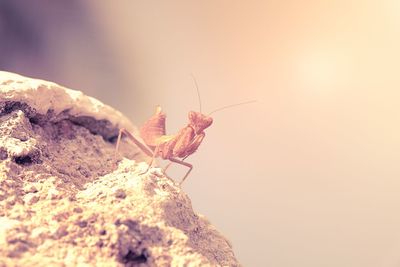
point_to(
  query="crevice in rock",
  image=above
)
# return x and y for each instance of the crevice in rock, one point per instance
(9, 106)
(23, 160)
(28, 159)
(103, 128)
(132, 258)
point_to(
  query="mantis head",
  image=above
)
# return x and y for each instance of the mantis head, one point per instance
(199, 122)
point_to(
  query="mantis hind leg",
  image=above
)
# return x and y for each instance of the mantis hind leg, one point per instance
(181, 162)
(153, 158)
(139, 144)
(118, 143)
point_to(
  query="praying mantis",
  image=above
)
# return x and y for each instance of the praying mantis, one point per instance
(176, 147)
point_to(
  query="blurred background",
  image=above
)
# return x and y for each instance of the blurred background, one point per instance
(307, 176)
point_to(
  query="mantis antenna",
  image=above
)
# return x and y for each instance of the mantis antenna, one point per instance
(197, 89)
(218, 109)
(233, 105)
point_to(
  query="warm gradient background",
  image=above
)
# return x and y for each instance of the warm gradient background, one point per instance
(307, 176)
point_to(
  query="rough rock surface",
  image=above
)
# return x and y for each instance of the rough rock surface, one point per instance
(65, 200)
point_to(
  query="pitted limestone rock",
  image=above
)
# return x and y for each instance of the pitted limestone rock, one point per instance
(67, 200)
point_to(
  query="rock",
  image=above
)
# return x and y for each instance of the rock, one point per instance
(65, 200)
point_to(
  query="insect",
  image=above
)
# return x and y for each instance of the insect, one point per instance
(177, 147)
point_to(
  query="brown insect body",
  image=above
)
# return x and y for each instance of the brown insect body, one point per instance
(182, 144)
(171, 147)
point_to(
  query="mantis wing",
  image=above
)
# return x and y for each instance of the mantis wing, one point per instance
(153, 128)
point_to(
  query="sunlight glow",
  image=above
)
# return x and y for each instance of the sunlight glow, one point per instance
(321, 70)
